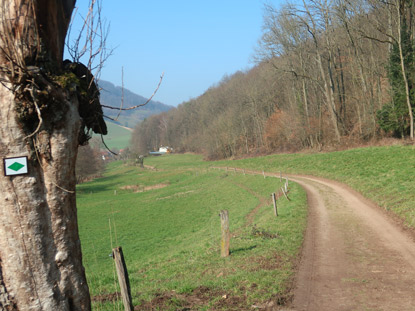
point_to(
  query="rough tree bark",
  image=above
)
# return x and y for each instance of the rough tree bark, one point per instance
(40, 252)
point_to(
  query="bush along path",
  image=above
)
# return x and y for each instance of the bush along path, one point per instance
(355, 257)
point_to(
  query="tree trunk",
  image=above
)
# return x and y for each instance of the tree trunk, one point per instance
(40, 252)
(329, 98)
(400, 4)
(328, 89)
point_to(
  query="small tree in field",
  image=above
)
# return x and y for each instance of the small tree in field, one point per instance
(47, 108)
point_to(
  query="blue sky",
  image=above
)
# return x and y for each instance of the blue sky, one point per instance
(195, 43)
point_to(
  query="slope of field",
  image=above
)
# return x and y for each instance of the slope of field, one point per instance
(382, 174)
(118, 137)
(166, 219)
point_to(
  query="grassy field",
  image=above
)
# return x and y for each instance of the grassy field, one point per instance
(118, 137)
(167, 222)
(382, 174)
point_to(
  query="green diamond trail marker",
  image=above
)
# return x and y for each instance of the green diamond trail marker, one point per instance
(15, 166)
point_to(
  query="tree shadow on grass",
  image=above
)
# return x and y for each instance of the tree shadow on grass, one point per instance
(98, 185)
(242, 249)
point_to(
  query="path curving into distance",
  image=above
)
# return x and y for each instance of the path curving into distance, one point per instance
(354, 256)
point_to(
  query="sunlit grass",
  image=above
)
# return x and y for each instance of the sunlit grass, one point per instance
(383, 174)
(170, 235)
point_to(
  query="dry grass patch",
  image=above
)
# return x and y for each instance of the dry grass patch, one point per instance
(141, 188)
(179, 194)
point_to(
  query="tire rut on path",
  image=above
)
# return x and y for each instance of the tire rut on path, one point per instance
(354, 257)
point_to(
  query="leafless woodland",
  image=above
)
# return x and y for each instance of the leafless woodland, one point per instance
(322, 79)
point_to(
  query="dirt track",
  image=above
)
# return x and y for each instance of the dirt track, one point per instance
(354, 256)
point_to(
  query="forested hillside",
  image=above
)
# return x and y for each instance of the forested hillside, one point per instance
(113, 96)
(328, 73)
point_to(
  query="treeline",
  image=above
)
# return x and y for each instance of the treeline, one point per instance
(89, 162)
(328, 73)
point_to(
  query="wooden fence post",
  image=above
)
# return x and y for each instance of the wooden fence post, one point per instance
(224, 244)
(123, 278)
(285, 194)
(274, 200)
(263, 173)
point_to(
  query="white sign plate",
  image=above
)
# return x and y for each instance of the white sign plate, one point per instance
(15, 166)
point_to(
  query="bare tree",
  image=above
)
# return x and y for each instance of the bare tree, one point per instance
(89, 163)
(401, 7)
(399, 23)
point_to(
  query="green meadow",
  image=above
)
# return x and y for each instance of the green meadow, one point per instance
(117, 137)
(385, 175)
(167, 221)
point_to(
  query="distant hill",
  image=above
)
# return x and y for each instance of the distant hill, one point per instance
(111, 96)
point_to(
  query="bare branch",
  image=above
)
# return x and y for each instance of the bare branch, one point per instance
(102, 139)
(376, 39)
(39, 115)
(40, 121)
(141, 105)
(112, 119)
(122, 93)
(91, 39)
